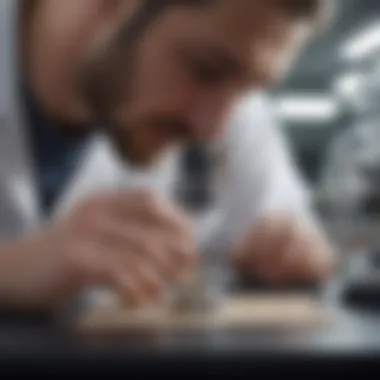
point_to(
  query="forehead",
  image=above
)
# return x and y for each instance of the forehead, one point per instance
(238, 24)
(245, 17)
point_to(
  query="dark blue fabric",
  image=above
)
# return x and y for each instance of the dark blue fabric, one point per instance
(55, 157)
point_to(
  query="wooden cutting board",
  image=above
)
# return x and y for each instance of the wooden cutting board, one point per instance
(252, 311)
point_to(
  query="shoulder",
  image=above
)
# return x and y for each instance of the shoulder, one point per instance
(253, 128)
(258, 151)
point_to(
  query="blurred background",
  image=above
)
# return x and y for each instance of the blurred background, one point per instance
(329, 107)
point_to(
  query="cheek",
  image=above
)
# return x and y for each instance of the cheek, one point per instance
(161, 84)
(269, 67)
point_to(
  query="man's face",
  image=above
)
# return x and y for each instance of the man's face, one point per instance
(157, 81)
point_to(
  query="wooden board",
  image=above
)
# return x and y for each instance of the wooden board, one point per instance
(238, 312)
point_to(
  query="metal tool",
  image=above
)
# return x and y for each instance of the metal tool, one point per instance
(204, 289)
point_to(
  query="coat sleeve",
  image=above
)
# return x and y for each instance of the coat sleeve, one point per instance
(259, 177)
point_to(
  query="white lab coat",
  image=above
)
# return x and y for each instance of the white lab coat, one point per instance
(258, 174)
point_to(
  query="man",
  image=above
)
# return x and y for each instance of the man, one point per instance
(128, 80)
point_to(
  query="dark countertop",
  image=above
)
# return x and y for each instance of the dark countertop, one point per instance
(352, 341)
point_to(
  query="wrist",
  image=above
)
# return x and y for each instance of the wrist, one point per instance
(29, 274)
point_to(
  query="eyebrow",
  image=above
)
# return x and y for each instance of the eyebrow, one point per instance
(230, 64)
(226, 60)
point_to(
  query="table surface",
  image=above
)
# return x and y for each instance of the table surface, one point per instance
(352, 338)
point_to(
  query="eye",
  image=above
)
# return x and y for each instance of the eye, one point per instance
(205, 72)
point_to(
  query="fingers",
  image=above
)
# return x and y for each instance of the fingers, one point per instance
(140, 206)
(134, 241)
(287, 256)
(274, 237)
(284, 251)
(167, 253)
(317, 257)
(261, 247)
(135, 280)
(149, 209)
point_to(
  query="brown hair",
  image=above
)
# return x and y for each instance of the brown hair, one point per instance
(319, 12)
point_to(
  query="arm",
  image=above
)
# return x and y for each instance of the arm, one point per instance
(103, 241)
(262, 186)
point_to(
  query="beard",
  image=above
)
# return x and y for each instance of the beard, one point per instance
(106, 84)
(104, 92)
(137, 140)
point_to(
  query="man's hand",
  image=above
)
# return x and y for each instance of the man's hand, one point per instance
(134, 242)
(282, 250)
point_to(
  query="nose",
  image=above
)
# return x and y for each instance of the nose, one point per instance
(207, 114)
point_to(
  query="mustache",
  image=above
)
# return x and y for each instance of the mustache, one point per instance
(176, 128)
